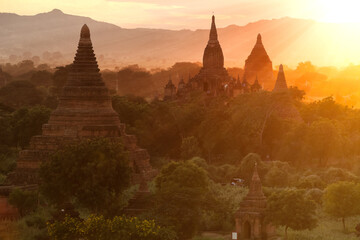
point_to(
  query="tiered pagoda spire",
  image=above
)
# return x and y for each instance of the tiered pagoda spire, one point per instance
(213, 55)
(280, 84)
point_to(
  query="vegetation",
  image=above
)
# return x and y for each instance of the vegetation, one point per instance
(341, 200)
(290, 208)
(94, 173)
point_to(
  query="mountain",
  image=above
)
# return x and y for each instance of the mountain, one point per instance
(286, 40)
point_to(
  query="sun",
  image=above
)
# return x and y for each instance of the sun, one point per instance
(338, 11)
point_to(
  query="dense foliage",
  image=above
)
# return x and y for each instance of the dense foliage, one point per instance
(94, 173)
(117, 228)
(290, 208)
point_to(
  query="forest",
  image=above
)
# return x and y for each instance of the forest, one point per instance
(199, 145)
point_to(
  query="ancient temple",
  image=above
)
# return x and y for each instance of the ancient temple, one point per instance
(280, 84)
(250, 218)
(212, 76)
(84, 111)
(169, 90)
(259, 64)
(284, 106)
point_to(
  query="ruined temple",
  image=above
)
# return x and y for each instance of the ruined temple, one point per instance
(258, 64)
(250, 218)
(84, 111)
(212, 76)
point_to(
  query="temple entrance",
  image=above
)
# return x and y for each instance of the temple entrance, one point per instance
(246, 230)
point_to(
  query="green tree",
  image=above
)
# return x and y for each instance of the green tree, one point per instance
(25, 201)
(341, 200)
(291, 209)
(27, 122)
(92, 172)
(181, 189)
(190, 148)
(20, 93)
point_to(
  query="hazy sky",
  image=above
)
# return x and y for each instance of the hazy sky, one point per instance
(190, 14)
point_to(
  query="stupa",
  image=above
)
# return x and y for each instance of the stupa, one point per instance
(84, 111)
(250, 218)
(258, 64)
(212, 76)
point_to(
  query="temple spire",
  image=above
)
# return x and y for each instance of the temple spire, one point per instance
(258, 40)
(213, 31)
(280, 84)
(255, 189)
(84, 70)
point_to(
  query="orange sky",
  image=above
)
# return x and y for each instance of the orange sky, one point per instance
(190, 14)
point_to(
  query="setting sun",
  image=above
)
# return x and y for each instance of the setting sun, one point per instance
(344, 11)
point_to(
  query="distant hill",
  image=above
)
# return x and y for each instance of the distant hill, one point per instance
(286, 40)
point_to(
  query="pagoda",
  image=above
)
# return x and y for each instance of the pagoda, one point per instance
(169, 90)
(284, 106)
(280, 84)
(250, 218)
(212, 76)
(259, 64)
(84, 111)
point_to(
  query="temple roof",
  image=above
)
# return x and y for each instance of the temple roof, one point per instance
(280, 84)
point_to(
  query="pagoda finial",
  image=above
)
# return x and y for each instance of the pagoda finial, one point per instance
(213, 31)
(281, 68)
(258, 40)
(85, 32)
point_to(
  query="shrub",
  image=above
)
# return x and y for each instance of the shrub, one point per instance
(118, 228)
(311, 181)
(315, 194)
(276, 177)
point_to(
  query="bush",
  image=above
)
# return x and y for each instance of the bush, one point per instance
(118, 228)
(276, 177)
(333, 175)
(311, 181)
(25, 201)
(315, 194)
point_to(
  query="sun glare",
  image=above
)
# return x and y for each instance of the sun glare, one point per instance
(344, 11)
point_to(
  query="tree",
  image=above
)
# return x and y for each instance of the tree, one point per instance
(27, 122)
(118, 228)
(181, 189)
(291, 209)
(20, 93)
(190, 148)
(92, 172)
(25, 201)
(341, 200)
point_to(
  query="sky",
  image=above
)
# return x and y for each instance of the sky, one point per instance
(190, 14)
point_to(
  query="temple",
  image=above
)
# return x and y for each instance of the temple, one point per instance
(258, 65)
(280, 84)
(84, 111)
(169, 90)
(250, 218)
(284, 107)
(212, 76)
